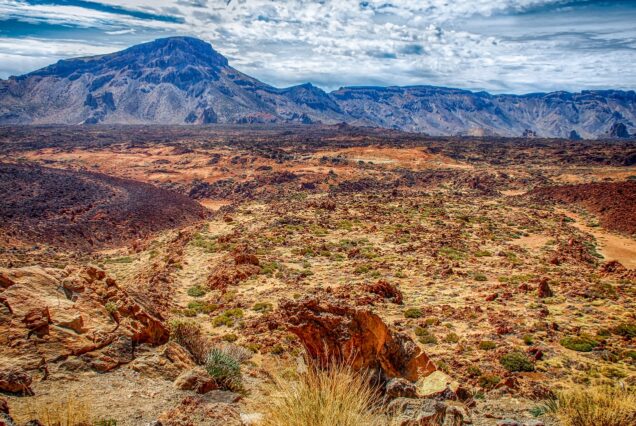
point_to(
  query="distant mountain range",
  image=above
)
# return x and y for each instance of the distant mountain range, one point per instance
(183, 80)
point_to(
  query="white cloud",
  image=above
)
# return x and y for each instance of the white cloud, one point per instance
(476, 44)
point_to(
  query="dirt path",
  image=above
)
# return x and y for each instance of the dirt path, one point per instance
(611, 246)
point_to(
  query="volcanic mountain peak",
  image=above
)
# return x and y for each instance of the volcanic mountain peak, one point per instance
(173, 52)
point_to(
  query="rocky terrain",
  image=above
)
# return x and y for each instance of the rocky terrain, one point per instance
(182, 80)
(473, 280)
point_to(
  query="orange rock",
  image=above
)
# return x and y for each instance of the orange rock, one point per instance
(335, 332)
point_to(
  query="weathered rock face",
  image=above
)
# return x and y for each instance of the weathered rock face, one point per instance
(75, 315)
(334, 332)
(239, 266)
(386, 290)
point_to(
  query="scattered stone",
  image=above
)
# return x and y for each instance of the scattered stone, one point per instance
(386, 290)
(437, 384)
(196, 379)
(399, 387)
(544, 289)
(423, 412)
(15, 380)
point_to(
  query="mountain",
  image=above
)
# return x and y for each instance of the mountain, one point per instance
(183, 80)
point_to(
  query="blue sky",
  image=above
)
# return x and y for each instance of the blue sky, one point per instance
(513, 46)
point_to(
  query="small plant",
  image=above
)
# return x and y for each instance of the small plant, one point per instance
(262, 307)
(425, 337)
(224, 368)
(202, 307)
(412, 313)
(487, 345)
(474, 371)
(451, 338)
(579, 343)
(106, 422)
(188, 334)
(516, 361)
(627, 330)
(111, 307)
(480, 277)
(277, 349)
(67, 410)
(228, 318)
(230, 337)
(488, 381)
(196, 291)
(607, 406)
(528, 339)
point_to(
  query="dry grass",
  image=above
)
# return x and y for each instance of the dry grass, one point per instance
(188, 334)
(595, 406)
(68, 411)
(336, 396)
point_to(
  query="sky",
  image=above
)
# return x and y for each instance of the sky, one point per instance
(500, 46)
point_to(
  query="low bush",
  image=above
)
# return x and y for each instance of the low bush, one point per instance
(196, 291)
(487, 345)
(579, 343)
(228, 318)
(413, 313)
(516, 361)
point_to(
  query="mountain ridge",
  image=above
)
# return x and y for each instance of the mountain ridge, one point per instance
(183, 80)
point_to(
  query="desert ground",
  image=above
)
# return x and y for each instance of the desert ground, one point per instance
(484, 274)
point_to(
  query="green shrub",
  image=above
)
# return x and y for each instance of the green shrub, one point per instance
(487, 345)
(413, 313)
(516, 361)
(202, 307)
(528, 339)
(224, 368)
(196, 291)
(228, 318)
(262, 307)
(579, 343)
(480, 277)
(474, 371)
(627, 330)
(111, 307)
(425, 337)
(230, 337)
(488, 381)
(451, 338)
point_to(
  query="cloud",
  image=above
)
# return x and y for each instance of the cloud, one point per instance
(496, 45)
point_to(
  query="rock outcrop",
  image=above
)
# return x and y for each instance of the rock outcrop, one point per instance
(333, 332)
(68, 318)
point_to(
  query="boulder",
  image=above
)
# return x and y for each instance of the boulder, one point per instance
(399, 387)
(196, 379)
(386, 290)
(331, 331)
(15, 380)
(54, 315)
(437, 384)
(426, 412)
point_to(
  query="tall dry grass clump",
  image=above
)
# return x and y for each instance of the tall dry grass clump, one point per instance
(189, 335)
(69, 411)
(595, 406)
(334, 396)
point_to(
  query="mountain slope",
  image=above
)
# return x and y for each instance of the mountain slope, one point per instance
(182, 80)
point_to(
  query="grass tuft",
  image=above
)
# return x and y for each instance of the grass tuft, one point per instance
(336, 396)
(601, 405)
